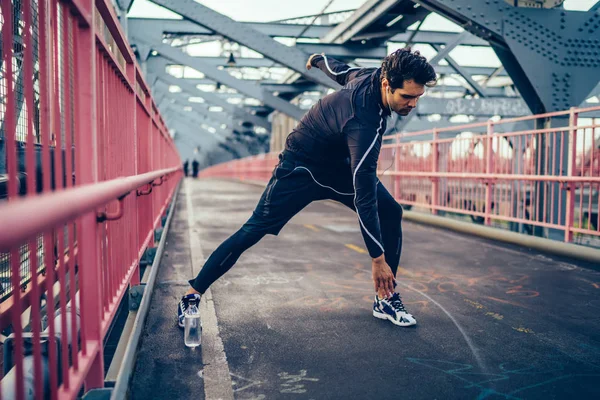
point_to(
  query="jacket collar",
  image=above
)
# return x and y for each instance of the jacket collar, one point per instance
(375, 88)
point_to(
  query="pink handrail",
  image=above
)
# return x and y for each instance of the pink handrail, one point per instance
(48, 211)
(90, 173)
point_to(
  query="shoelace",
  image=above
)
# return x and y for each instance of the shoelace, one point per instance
(185, 302)
(396, 302)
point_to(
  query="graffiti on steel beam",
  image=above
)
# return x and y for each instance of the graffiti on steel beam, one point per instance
(504, 107)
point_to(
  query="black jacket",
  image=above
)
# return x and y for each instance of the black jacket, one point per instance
(347, 125)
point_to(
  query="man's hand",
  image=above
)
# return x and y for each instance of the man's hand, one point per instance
(382, 277)
(308, 63)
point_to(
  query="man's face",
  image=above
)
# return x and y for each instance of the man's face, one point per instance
(404, 99)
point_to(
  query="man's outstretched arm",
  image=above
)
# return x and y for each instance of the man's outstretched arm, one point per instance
(364, 144)
(340, 72)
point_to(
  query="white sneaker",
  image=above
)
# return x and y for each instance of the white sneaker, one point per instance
(393, 310)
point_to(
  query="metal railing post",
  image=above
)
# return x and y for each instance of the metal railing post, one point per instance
(571, 168)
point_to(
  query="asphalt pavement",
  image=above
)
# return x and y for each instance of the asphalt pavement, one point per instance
(293, 316)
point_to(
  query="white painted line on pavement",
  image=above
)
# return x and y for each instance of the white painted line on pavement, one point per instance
(217, 379)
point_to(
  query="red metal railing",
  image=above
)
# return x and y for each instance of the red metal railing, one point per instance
(87, 170)
(547, 178)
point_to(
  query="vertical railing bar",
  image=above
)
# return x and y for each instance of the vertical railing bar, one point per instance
(28, 30)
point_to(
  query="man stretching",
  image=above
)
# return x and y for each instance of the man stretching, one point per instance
(332, 154)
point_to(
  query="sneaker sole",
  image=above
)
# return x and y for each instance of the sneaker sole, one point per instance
(392, 320)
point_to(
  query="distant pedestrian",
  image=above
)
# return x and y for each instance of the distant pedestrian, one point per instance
(195, 168)
(186, 165)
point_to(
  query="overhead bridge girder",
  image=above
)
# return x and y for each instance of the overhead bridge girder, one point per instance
(291, 57)
(147, 27)
(248, 88)
(552, 55)
(157, 66)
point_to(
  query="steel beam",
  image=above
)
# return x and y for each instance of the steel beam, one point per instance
(195, 119)
(343, 51)
(185, 27)
(162, 88)
(409, 17)
(447, 69)
(291, 57)
(432, 37)
(184, 129)
(249, 89)
(191, 117)
(552, 55)
(157, 67)
(445, 54)
(144, 27)
(465, 74)
(364, 16)
(292, 88)
(240, 113)
(337, 51)
(206, 81)
(442, 53)
(241, 62)
(214, 119)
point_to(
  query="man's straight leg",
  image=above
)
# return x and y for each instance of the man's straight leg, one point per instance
(287, 193)
(390, 220)
(224, 257)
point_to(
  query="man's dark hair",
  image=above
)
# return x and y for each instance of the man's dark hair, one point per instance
(403, 65)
